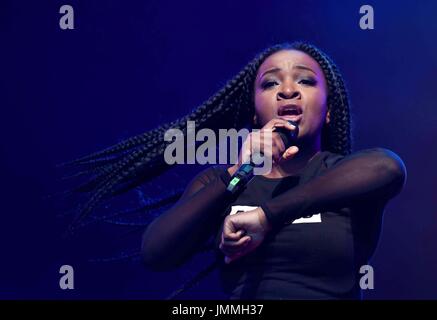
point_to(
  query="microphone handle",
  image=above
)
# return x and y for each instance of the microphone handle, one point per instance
(245, 172)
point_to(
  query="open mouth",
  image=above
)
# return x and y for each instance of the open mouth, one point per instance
(290, 112)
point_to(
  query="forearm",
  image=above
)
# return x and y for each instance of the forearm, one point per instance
(372, 174)
(171, 237)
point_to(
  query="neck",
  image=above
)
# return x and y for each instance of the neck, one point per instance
(294, 165)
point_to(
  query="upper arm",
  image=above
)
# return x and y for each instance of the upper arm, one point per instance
(391, 164)
(388, 165)
(394, 164)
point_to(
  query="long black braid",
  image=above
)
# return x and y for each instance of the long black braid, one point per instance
(140, 159)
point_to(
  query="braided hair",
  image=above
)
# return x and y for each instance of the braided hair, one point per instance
(140, 159)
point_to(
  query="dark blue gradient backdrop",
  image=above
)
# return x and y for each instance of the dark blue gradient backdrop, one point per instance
(129, 66)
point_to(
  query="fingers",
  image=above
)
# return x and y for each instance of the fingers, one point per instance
(277, 143)
(290, 153)
(230, 232)
(235, 243)
(252, 236)
(234, 247)
(266, 142)
(278, 148)
(277, 122)
(232, 254)
(232, 236)
(286, 125)
(233, 240)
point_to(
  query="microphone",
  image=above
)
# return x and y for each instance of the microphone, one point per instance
(244, 173)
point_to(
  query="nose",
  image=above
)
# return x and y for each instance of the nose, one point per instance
(287, 91)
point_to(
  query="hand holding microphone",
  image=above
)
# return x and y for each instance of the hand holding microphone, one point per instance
(274, 140)
(281, 142)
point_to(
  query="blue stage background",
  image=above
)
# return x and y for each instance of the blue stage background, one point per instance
(130, 66)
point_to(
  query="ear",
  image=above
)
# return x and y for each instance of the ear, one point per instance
(328, 117)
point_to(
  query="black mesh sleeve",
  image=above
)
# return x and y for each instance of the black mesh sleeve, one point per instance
(176, 234)
(375, 174)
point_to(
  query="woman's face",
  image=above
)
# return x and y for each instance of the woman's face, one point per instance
(291, 85)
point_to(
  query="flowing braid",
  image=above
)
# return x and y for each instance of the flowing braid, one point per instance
(147, 161)
(139, 159)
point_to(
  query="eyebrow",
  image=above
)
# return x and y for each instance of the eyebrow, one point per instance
(296, 66)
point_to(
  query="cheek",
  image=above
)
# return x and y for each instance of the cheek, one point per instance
(318, 98)
(260, 102)
(317, 107)
(263, 107)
